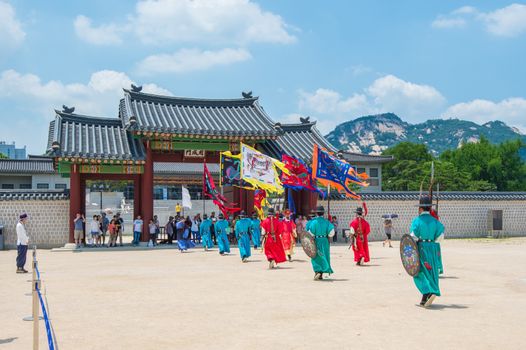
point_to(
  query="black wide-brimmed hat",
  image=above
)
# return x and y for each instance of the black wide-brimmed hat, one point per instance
(205, 216)
(425, 202)
(270, 211)
(359, 211)
(320, 209)
(254, 215)
(221, 216)
(242, 213)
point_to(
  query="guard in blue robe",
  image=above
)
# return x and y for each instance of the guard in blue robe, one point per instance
(255, 231)
(222, 229)
(205, 232)
(427, 231)
(242, 230)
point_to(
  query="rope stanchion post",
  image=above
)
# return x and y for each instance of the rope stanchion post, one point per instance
(36, 285)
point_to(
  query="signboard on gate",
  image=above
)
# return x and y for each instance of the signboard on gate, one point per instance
(194, 153)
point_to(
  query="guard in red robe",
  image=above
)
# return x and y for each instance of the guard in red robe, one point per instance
(271, 229)
(288, 235)
(360, 229)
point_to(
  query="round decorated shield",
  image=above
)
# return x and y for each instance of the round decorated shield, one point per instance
(409, 255)
(308, 244)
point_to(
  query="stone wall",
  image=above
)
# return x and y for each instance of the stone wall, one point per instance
(461, 218)
(48, 221)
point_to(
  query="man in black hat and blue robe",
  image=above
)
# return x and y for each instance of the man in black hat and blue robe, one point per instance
(426, 231)
(322, 229)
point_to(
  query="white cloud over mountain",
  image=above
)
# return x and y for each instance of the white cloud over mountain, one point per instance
(509, 21)
(411, 101)
(11, 32)
(189, 60)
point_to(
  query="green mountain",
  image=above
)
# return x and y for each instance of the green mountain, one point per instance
(374, 133)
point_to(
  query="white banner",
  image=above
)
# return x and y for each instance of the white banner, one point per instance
(258, 168)
(187, 202)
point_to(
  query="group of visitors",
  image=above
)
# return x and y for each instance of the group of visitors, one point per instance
(97, 229)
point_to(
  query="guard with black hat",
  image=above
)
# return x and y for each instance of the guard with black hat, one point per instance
(205, 230)
(222, 229)
(360, 230)
(255, 230)
(271, 229)
(22, 241)
(426, 230)
(322, 229)
(242, 230)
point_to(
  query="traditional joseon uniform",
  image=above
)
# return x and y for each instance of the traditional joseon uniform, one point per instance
(440, 265)
(271, 229)
(206, 235)
(288, 236)
(322, 229)
(242, 230)
(427, 230)
(222, 228)
(360, 229)
(255, 231)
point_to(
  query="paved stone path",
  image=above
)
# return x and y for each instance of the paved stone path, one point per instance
(162, 299)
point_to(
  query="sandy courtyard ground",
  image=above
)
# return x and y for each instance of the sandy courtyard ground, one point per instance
(161, 299)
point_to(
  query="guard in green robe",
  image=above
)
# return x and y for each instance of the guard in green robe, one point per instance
(222, 229)
(427, 231)
(322, 230)
(242, 230)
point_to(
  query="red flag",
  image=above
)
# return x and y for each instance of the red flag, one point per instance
(210, 191)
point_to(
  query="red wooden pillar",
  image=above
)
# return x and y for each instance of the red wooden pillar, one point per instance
(136, 196)
(147, 192)
(74, 198)
(249, 201)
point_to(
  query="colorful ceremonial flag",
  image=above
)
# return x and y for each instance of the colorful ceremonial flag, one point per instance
(231, 171)
(328, 169)
(299, 176)
(210, 191)
(260, 201)
(260, 170)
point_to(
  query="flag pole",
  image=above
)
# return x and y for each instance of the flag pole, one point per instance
(328, 199)
(203, 189)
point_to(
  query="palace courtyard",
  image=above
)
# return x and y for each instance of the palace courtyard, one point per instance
(162, 299)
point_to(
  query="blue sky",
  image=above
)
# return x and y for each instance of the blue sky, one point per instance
(331, 60)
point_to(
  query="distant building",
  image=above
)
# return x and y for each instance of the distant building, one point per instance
(11, 152)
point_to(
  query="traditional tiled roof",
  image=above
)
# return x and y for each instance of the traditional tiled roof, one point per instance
(27, 195)
(297, 140)
(358, 158)
(92, 137)
(167, 168)
(443, 196)
(223, 118)
(26, 166)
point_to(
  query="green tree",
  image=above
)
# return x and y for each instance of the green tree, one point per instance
(2, 156)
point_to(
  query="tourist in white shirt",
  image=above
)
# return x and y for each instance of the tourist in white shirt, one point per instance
(22, 240)
(94, 229)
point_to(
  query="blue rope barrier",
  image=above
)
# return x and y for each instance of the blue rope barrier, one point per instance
(38, 272)
(46, 321)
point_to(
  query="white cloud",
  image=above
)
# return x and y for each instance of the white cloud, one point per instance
(445, 22)
(386, 94)
(217, 22)
(35, 101)
(409, 99)
(508, 21)
(103, 35)
(11, 33)
(188, 60)
(512, 111)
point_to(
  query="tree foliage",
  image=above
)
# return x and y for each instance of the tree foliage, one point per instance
(478, 166)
